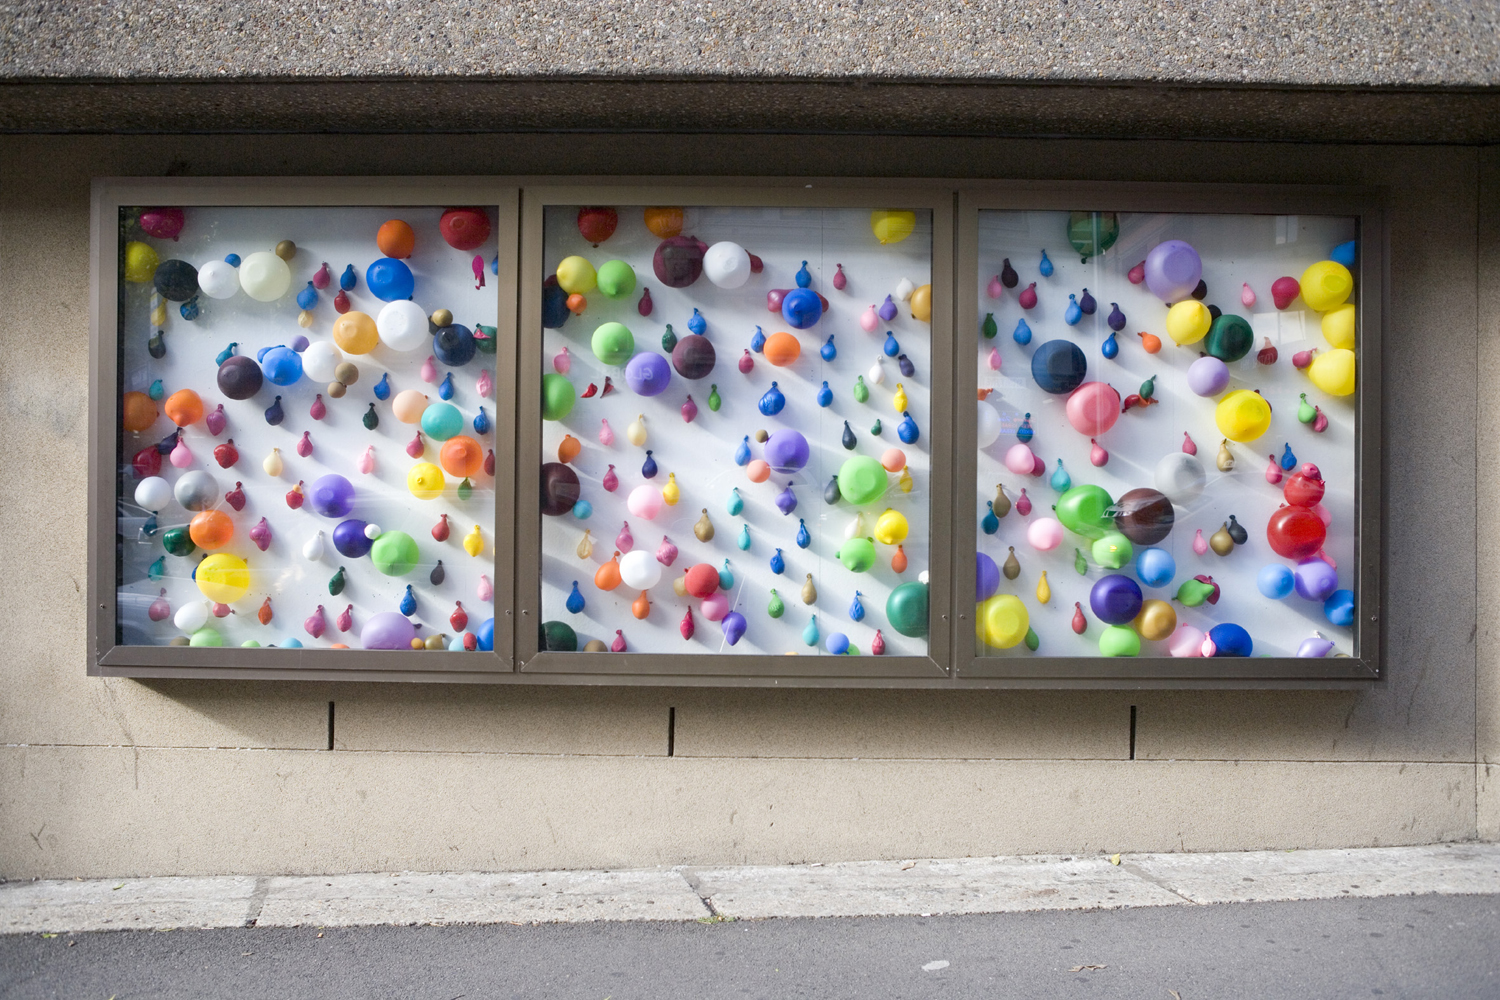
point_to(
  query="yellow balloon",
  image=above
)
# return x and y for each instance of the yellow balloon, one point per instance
(223, 578)
(355, 333)
(577, 276)
(1002, 621)
(1243, 415)
(474, 541)
(1339, 325)
(425, 481)
(921, 303)
(892, 227)
(1157, 620)
(891, 528)
(1333, 372)
(1326, 284)
(1188, 322)
(141, 263)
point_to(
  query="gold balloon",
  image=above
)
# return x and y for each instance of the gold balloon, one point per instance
(441, 318)
(1156, 620)
(809, 592)
(921, 303)
(1220, 541)
(1012, 567)
(704, 529)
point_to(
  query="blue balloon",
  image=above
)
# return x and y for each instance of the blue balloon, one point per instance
(555, 311)
(1059, 367)
(837, 644)
(1021, 334)
(891, 346)
(758, 341)
(232, 259)
(986, 577)
(454, 345)
(802, 308)
(1345, 253)
(1155, 567)
(828, 351)
(582, 509)
(486, 635)
(390, 280)
(1339, 608)
(773, 401)
(292, 643)
(1275, 581)
(348, 279)
(281, 365)
(308, 297)
(1231, 640)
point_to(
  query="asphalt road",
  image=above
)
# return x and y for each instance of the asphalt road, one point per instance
(1422, 946)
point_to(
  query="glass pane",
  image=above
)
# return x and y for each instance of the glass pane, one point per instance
(698, 408)
(1168, 443)
(305, 457)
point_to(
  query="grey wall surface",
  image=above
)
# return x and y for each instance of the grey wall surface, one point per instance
(107, 776)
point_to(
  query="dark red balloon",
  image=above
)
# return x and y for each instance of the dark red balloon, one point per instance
(560, 489)
(1296, 533)
(240, 377)
(597, 223)
(694, 356)
(465, 228)
(1144, 516)
(678, 261)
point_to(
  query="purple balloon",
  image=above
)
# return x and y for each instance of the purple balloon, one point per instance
(786, 450)
(1315, 580)
(1173, 270)
(1208, 376)
(986, 577)
(349, 538)
(1116, 599)
(733, 627)
(648, 373)
(331, 496)
(388, 630)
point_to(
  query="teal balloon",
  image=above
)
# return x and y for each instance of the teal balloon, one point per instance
(441, 421)
(810, 633)
(906, 609)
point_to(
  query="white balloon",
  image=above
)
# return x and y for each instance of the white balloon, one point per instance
(904, 288)
(196, 490)
(727, 265)
(265, 276)
(320, 360)
(877, 372)
(153, 493)
(1180, 477)
(313, 549)
(639, 570)
(989, 425)
(402, 325)
(191, 616)
(218, 279)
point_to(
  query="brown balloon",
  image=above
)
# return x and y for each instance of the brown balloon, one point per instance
(1144, 516)
(560, 489)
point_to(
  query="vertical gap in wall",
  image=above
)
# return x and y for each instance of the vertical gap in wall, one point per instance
(671, 731)
(330, 727)
(1132, 728)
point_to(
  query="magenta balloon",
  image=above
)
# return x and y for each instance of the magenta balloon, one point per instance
(986, 577)
(1208, 376)
(387, 630)
(648, 373)
(1173, 270)
(331, 496)
(786, 450)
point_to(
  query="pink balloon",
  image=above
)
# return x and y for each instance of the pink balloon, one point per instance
(1044, 534)
(644, 502)
(1093, 408)
(1323, 514)
(1186, 641)
(715, 607)
(1020, 459)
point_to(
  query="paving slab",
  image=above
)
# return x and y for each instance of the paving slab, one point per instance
(119, 904)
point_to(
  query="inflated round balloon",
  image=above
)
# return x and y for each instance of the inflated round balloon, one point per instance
(1084, 510)
(394, 553)
(678, 261)
(425, 481)
(702, 580)
(1294, 533)
(1173, 270)
(162, 223)
(1112, 550)
(331, 496)
(892, 226)
(401, 325)
(1339, 325)
(639, 570)
(596, 223)
(1044, 534)
(355, 332)
(395, 238)
(694, 356)
(183, 407)
(1156, 620)
(663, 221)
(1145, 516)
(989, 425)
(560, 489)
(191, 616)
(138, 410)
(891, 528)
(862, 480)
(1326, 284)
(1230, 338)
(175, 280)
(613, 343)
(1188, 322)
(616, 279)
(1243, 415)
(1003, 621)
(1155, 567)
(1059, 367)
(906, 609)
(782, 349)
(1333, 372)
(555, 311)
(1093, 408)
(408, 406)
(648, 374)
(1020, 459)
(1180, 477)
(1339, 608)
(1230, 639)
(558, 396)
(281, 365)
(351, 540)
(786, 450)
(197, 490)
(837, 644)
(153, 493)
(986, 577)
(211, 529)
(857, 554)
(1207, 376)
(320, 360)
(264, 276)
(893, 459)
(1118, 640)
(1275, 581)
(644, 501)
(1186, 642)
(387, 630)
(559, 637)
(576, 275)
(454, 345)
(727, 264)
(921, 303)
(209, 636)
(141, 262)
(390, 279)
(758, 471)
(465, 228)
(218, 279)
(802, 308)
(462, 456)
(223, 578)
(240, 377)
(484, 635)
(1314, 580)
(1115, 599)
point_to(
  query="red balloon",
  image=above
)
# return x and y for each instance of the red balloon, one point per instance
(703, 580)
(1093, 408)
(1296, 533)
(465, 228)
(597, 223)
(1305, 488)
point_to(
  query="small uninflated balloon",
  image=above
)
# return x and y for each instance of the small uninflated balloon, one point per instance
(703, 528)
(1225, 459)
(743, 541)
(635, 432)
(272, 464)
(1012, 565)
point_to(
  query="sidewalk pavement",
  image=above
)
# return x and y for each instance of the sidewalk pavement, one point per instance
(844, 889)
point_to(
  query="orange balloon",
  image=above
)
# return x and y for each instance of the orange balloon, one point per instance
(184, 407)
(395, 239)
(461, 456)
(211, 529)
(354, 333)
(608, 576)
(758, 471)
(641, 607)
(139, 411)
(894, 460)
(568, 449)
(664, 222)
(577, 304)
(782, 349)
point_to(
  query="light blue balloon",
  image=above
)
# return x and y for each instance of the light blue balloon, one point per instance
(1275, 581)
(582, 509)
(1155, 567)
(837, 643)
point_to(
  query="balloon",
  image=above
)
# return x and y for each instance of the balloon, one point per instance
(1156, 620)
(1059, 367)
(1173, 270)
(395, 239)
(409, 405)
(782, 349)
(1021, 460)
(264, 276)
(218, 279)
(906, 609)
(1188, 321)
(1145, 516)
(1180, 477)
(1044, 534)
(1295, 533)
(1325, 285)
(891, 528)
(139, 409)
(786, 450)
(1230, 640)
(331, 496)
(240, 377)
(1243, 415)
(1208, 376)
(1002, 621)
(576, 276)
(1112, 551)
(1084, 510)
(1117, 640)
(616, 279)
(648, 373)
(461, 456)
(175, 280)
(153, 493)
(162, 223)
(663, 222)
(862, 480)
(1093, 408)
(321, 359)
(401, 325)
(394, 553)
(613, 343)
(191, 617)
(465, 228)
(441, 421)
(558, 397)
(644, 501)
(387, 630)
(986, 577)
(1275, 581)
(989, 425)
(389, 280)
(555, 637)
(1333, 371)
(1186, 642)
(1115, 599)
(555, 311)
(281, 365)
(694, 357)
(1155, 567)
(597, 223)
(857, 554)
(210, 637)
(702, 580)
(425, 481)
(1314, 579)
(678, 261)
(211, 529)
(356, 333)
(560, 489)
(141, 262)
(639, 570)
(893, 459)
(1339, 326)
(183, 407)
(351, 541)
(727, 265)
(892, 227)
(921, 303)
(223, 578)
(197, 490)
(1339, 608)
(454, 345)
(1230, 338)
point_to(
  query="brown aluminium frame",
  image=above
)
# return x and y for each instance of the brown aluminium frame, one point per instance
(1365, 205)
(110, 195)
(735, 669)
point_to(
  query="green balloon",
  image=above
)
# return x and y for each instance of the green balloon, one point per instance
(1092, 233)
(1192, 593)
(906, 609)
(177, 542)
(441, 421)
(558, 637)
(1119, 640)
(1033, 641)
(989, 327)
(613, 343)
(857, 554)
(1229, 339)
(250, 644)
(558, 396)
(616, 279)
(394, 553)
(862, 480)
(1113, 550)
(206, 636)
(1083, 510)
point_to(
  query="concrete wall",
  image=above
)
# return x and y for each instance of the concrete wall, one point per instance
(117, 777)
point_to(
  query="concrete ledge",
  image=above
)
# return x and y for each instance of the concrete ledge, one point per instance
(864, 888)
